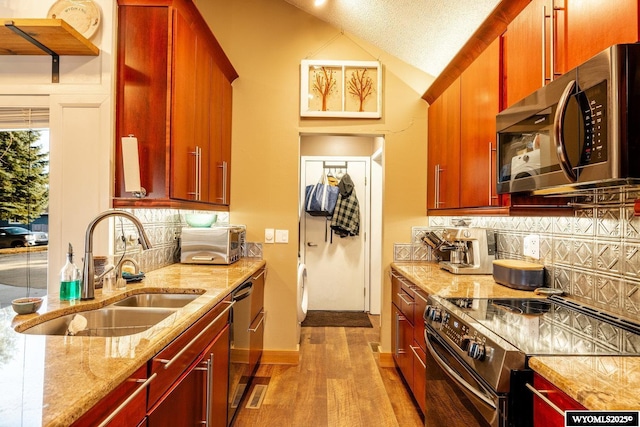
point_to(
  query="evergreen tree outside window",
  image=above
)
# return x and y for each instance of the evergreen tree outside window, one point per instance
(24, 177)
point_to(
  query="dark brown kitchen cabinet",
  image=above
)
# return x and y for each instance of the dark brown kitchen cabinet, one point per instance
(192, 374)
(174, 94)
(545, 395)
(525, 43)
(443, 151)
(200, 395)
(480, 102)
(581, 29)
(462, 131)
(126, 405)
(407, 335)
(594, 25)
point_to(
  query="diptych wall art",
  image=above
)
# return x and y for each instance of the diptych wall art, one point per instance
(350, 89)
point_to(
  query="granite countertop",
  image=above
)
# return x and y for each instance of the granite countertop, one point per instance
(53, 380)
(596, 382)
(436, 281)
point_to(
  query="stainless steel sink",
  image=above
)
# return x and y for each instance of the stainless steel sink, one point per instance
(105, 322)
(157, 300)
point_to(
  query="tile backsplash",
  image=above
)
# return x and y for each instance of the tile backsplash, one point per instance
(594, 256)
(163, 226)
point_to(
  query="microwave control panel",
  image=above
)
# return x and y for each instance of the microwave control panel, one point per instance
(593, 105)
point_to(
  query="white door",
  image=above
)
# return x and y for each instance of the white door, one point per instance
(336, 266)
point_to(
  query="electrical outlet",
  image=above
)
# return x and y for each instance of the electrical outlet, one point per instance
(531, 246)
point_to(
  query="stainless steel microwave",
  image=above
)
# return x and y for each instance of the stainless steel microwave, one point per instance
(580, 131)
(214, 245)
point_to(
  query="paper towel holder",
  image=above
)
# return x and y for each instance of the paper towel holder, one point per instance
(131, 167)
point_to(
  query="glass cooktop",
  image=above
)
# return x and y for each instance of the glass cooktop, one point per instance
(552, 326)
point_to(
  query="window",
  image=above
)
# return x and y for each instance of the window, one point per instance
(24, 194)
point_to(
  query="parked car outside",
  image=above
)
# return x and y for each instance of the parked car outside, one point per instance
(15, 237)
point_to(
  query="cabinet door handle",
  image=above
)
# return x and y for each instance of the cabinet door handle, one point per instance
(224, 166)
(397, 334)
(197, 337)
(128, 400)
(417, 356)
(399, 318)
(404, 300)
(552, 43)
(197, 172)
(544, 45)
(545, 399)
(491, 151)
(437, 201)
(264, 314)
(207, 420)
(262, 272)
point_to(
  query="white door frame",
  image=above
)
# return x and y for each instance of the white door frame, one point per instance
(365, 223)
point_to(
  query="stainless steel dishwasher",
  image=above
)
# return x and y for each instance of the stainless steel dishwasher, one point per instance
(239, 366)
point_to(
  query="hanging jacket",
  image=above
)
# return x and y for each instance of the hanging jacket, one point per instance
(346, 216)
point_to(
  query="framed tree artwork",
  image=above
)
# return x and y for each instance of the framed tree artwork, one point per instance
(341, 89)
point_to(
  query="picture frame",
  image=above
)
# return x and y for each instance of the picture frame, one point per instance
(341, 89)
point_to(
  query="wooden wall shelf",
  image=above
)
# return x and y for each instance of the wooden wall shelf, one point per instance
(53, 37)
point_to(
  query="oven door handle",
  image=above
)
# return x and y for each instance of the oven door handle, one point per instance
(454, 375)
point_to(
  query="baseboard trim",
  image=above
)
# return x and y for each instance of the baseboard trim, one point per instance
(386, 360)
(280, 357)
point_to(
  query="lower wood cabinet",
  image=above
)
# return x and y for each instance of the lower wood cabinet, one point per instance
(200, 394)
(407, 335)
(186, 383)
(549, 403)
(192, 380)
(126, 405)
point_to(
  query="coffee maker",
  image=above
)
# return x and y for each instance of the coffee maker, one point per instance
(472, 250)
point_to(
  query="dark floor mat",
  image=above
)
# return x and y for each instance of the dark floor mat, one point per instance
(348, 319)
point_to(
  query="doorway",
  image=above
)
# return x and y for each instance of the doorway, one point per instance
(340, 276)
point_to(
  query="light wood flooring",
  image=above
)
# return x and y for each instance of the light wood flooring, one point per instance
(337, 383)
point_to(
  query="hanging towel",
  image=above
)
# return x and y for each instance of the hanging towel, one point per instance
(346, 216)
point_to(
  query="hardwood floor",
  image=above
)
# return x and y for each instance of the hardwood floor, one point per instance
(337, 383)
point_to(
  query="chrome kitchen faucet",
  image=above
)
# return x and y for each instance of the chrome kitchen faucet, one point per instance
(88, 273)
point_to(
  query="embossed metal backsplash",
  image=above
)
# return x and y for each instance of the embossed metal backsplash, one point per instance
(163, 226)
(594, 256)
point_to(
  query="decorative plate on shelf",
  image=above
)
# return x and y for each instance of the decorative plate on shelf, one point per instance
(82, 15)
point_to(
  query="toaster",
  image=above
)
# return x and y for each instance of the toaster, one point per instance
(214, 245)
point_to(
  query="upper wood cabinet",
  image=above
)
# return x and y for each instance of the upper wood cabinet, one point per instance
(533, 46)
(594, 25)
(462, 132)
(443, 161)
(480, 102)
(174, 94)
(574, 31)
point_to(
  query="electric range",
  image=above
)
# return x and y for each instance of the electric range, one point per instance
(480, 346)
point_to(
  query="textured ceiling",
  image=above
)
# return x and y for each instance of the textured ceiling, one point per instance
(424, 33)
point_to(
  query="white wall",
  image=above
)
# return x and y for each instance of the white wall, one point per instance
(81, 128)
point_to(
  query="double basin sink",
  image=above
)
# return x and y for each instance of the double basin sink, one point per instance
(130, 315)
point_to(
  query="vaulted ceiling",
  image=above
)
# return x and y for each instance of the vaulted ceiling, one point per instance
(424, 33)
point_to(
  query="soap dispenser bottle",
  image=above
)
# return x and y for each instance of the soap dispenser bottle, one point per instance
(70, 279)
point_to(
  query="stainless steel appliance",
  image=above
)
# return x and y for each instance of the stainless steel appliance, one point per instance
(239, 374)
(579, 131)
(213, 245)
(477, 373)
(472, 250)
